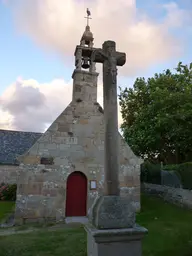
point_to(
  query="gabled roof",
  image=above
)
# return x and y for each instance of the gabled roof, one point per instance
(14, 143)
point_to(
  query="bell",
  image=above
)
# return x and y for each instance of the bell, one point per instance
(85, 63)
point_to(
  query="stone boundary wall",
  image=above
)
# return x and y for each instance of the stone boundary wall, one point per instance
(9, 174)
(178, 196)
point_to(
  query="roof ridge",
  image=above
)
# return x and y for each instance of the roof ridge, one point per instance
(5, 130)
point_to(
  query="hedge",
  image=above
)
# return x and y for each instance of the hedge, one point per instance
(8, 192)
(171, 167)
(151, 173)
(185, 171)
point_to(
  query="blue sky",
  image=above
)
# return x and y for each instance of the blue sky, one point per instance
(20, 56)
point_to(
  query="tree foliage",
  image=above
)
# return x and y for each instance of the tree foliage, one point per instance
(157, 116)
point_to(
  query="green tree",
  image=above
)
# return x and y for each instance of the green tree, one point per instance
(157, 116)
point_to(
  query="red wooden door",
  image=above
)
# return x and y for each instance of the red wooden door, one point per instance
(76, 197)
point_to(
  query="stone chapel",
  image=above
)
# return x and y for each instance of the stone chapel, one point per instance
(62, 173)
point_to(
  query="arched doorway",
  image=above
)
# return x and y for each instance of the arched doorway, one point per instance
(76, 195)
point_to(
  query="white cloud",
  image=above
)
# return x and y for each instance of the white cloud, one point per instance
(5, 120)
(58, 25)
(30, 106)
(176, 16)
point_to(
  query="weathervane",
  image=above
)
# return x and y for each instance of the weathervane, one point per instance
(88, 16)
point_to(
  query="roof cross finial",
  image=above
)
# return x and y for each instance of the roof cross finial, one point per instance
(88, 16)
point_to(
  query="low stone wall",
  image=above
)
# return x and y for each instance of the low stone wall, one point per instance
(9, 174)
(178, 196)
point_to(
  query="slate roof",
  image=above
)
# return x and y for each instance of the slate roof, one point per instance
(14, 143)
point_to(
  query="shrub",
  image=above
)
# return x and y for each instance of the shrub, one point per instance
(171, 167)
(151, 173)
(185, 172)
(8, 192)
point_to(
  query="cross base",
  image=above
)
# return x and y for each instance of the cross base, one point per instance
(115, 242)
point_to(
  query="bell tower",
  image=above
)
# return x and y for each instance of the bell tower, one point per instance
(85, 75)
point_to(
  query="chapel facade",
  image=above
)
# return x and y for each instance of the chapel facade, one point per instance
(63, 172)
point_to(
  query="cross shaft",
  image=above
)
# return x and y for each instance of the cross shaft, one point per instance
(110, 59)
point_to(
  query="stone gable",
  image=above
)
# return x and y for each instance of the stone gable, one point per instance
(74, 142)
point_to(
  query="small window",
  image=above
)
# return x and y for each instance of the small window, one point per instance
(47, 160)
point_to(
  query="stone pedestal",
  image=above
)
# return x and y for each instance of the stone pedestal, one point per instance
(112, 229)
(115, 212)
(114, 242)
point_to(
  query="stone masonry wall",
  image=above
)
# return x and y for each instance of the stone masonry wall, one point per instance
(178, 196)
(9, 174)
(75, 141)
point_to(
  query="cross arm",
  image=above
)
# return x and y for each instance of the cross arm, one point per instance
(98, 56)
(121, 58)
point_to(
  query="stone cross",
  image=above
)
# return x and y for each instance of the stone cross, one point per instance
(112, 229)
(110, 59)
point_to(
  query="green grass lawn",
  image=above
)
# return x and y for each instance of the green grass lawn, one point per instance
(5, 208)
(170, 228)
(170, 233)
